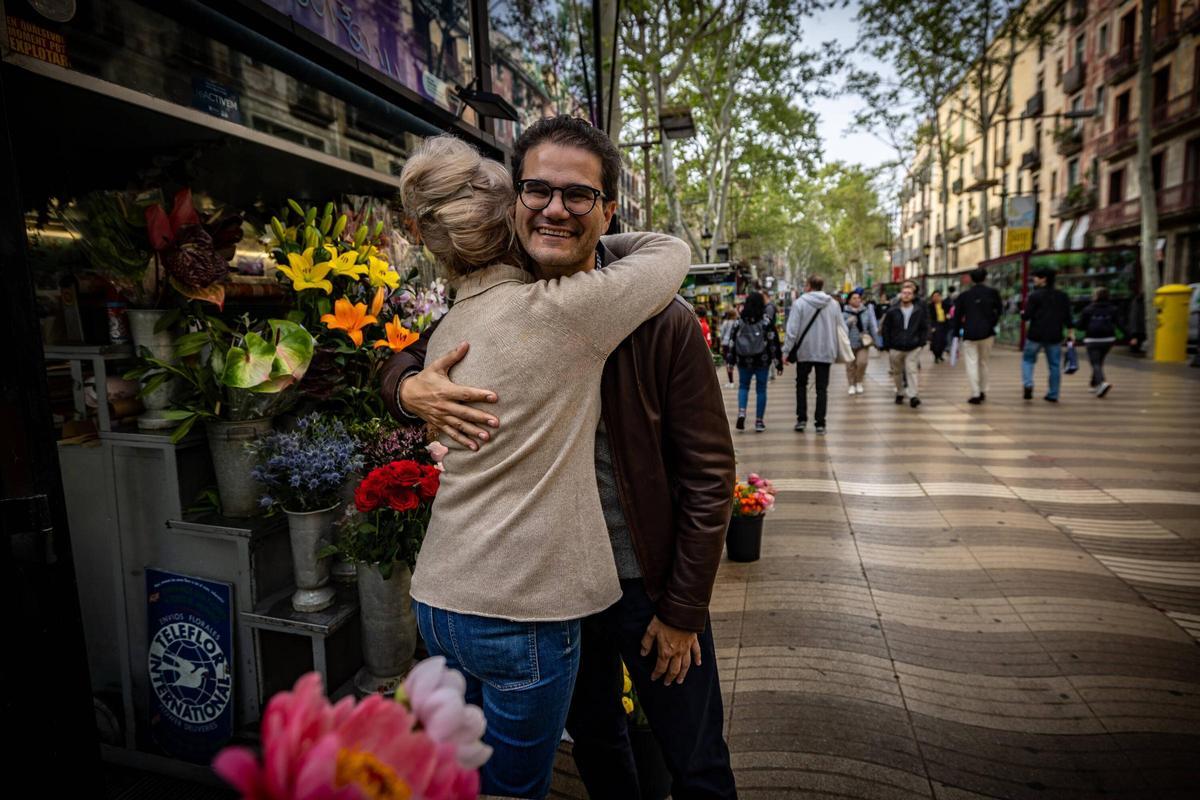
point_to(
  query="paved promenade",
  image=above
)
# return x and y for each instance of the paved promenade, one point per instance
(961, 601)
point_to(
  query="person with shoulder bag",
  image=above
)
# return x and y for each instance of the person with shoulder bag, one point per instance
(863, 331)
(814, 341)
(755, 348)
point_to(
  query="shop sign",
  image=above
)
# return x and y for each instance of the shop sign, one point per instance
(381, 33)
(1018, 240)
(34, 41)
(216, 99)
(190, 625)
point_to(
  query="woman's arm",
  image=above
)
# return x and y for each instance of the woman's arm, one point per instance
(602, 307)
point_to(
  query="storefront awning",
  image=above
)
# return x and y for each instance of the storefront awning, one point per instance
(1060, 241)
(1081, 229)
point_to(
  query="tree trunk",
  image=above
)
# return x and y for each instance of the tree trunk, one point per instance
(1146, 176)
(610, 25)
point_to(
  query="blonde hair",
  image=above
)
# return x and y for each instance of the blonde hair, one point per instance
(462, 204)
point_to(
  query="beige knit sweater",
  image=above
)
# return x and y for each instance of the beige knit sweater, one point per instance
(517, 530)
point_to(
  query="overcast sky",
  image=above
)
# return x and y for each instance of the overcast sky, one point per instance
(837, 114)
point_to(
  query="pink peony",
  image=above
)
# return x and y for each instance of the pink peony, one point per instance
(316, 751)
(435, 693)
(437, 451)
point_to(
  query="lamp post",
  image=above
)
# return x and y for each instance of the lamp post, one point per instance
(674, 123)
(706, 239)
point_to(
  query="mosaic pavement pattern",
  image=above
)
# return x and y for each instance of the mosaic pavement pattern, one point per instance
(970, 601)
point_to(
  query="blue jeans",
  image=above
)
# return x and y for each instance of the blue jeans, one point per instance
(760, 397)
(522, 675)
(1029, 361)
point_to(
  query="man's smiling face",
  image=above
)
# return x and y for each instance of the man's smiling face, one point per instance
(558, 242)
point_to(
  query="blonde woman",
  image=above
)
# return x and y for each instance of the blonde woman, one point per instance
(517, 551)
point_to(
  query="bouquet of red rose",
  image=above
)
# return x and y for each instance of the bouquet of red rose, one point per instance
(391, 512)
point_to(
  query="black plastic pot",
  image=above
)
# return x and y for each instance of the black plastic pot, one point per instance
(744, 540)
(654, 778)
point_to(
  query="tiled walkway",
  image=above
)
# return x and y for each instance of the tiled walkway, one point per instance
(960, 601)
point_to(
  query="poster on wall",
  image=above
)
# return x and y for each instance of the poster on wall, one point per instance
(190, 627)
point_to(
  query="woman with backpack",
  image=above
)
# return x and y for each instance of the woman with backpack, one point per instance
(755, 347)
(1099, 325)
(864, 331)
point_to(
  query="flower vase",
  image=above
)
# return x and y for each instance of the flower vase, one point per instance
(744, 539)
(232, 463)
(342, 570)
(310, 532)
(389, 628)
(161, 345)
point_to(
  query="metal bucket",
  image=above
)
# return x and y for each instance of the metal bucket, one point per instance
(310, 531)
(389, 628)
(232, 463)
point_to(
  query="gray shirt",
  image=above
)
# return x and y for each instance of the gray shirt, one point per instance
(906, 311)
(614, 515)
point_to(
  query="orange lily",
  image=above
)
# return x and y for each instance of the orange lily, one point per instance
(377, 303)
(398, 336)
(349, 318)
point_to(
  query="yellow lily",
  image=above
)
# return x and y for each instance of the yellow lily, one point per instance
(345, 266)
(304, 274)
(349, 318)
(377, 303)
(398, 336)
(380, 274)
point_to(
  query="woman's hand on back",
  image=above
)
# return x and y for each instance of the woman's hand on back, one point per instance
(432, 396)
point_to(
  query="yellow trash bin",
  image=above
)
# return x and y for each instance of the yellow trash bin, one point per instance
(1170, 338)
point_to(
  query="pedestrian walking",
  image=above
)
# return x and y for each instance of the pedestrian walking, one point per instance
(864, 332)
(727, 325)
(1048, 314)
(905, 330)
(1099, 325)
(811, 342)
(939, 326)
(977, 312)
(702, 318)
(755, 348)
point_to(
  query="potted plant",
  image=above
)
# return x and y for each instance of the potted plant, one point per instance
(654, 779)
(752, 499)
(236, 379)
(382, 536)
(302, 471)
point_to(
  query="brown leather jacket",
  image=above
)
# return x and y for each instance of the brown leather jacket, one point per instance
(666, 423)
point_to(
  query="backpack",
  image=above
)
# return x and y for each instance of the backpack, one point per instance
(750, 340)
(1103, 322)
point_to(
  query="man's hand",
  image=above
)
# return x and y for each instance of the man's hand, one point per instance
(677, 651)
(432, 396)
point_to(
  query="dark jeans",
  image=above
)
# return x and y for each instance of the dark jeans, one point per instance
(802, 371)
(937, 341)
(1096, 354)
(686, 719)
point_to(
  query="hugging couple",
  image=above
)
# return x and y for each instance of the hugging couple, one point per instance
(582, 514)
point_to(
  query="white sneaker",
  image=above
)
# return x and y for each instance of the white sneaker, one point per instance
(861, 388)
(729, 386)
(852, 389)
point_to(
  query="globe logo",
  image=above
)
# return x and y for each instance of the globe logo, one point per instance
(190, 673)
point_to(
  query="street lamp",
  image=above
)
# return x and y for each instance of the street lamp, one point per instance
(706, 239)
(674, 122)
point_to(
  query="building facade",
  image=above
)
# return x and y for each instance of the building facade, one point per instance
(1077, 173)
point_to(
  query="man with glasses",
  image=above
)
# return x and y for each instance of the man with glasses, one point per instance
(666, 507)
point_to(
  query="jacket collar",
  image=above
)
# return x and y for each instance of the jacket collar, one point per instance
(480, 281)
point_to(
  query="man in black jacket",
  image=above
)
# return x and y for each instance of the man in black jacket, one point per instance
(1048, 313)
(666, 506)
(977, 312)
(905, 330)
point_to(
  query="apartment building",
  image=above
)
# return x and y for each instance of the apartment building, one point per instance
(1064, 137)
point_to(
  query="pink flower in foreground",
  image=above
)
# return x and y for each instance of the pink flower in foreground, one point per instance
(316, 751)
(437, 451)
(435, 693)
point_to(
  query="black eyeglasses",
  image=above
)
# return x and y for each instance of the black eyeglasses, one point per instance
(577, 199)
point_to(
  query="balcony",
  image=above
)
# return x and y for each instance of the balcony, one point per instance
(957, 186)
(1032, 160)
(974, 225)
(1078, 201)
(1118, 142)
(1074, 78)
(1122, 65)
(1068, 141)
(1178, 113)
(1078, 12)
(1182, 201)
(1003, 156)
(1035, 105)
(1166, 34)
(953, 234)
